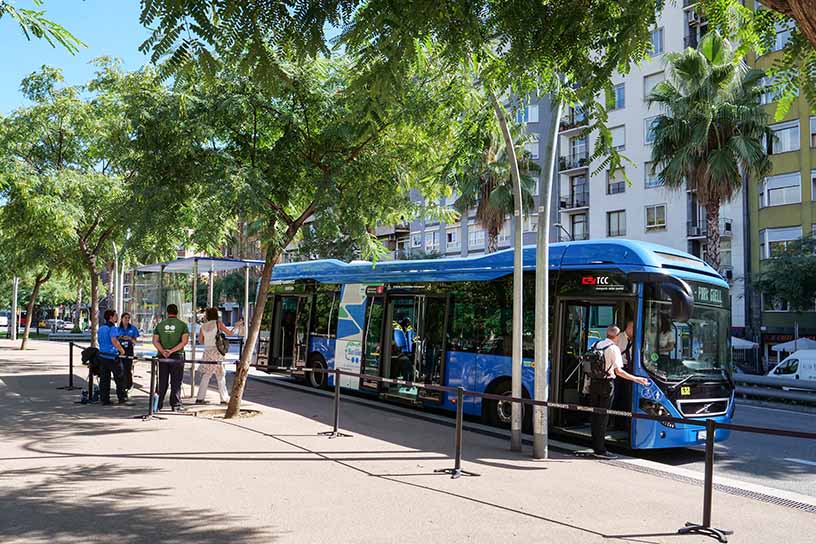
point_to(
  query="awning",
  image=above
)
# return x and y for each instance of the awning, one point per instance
(794, 345)
(741, 343)
(205, 264)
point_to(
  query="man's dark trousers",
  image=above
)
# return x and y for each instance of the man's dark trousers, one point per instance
(175, 373)
(601, 393)
(108, 367)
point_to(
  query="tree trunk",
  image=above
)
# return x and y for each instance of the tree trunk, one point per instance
(713, 234)
(515, 369)
(241, 373)
(492, 241)
(78, 313)
(94, 317)
(38, 282)
(803, 11)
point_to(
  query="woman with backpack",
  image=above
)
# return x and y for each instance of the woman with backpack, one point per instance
(212, 335)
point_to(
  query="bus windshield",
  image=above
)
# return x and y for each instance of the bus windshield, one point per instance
(676, 350)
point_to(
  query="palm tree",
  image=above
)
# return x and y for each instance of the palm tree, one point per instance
(712, 130)
(485, 182)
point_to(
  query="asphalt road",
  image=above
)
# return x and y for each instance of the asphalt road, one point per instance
(772, 461)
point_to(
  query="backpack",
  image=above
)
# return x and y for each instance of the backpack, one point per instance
(594, 362)
(90, 357)
(221, 343)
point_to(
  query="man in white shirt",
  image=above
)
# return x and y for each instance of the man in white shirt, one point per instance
(625, 341)
(601, 391)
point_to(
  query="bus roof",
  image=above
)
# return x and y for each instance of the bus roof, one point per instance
(627, 255)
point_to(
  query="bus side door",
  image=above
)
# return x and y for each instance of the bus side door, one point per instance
(373, 345)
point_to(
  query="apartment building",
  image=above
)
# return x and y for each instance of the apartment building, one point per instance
(596, 205)
(782, 207)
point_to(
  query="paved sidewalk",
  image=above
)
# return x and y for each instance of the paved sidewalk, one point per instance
(87, 473)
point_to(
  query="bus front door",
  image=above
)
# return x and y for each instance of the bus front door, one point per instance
(430, 350)
(573, 342)
(374, 343)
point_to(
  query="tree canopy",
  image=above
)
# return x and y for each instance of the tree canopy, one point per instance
(33, 22)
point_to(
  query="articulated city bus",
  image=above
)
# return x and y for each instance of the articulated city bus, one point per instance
(332, 314)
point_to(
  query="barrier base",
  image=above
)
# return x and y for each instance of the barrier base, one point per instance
(148, 417)
(455, 472)
(334, 434)
(697, 529)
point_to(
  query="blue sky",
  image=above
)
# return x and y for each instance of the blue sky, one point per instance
(108, 27)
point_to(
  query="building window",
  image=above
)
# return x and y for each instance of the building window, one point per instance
(618, 98)
(656, 217)
(504, 233)
(784, 31)
(532, 146)
(774, 304)
(725, 252)
(616, 223)
(432, 241)
(657, 42)
(774, 242)
(452, 238)
(618, 137)
(531, 222)
(650, 82)
(651, 180)
(476, 237)
(780, 190)
(578, 147)
(529, 114)
(416, 239)
(785, 138)
(579, 192)
(578, 226)
(769, 93)
(615, 182)
(813, 132)
(648, 129)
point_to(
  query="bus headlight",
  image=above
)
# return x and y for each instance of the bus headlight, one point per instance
(656, 409)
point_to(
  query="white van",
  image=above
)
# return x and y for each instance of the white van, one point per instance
(800, 365)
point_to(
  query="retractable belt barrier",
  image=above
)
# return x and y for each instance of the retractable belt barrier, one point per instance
(710, 425)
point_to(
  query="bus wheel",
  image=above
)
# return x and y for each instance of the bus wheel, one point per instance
(499, 413)
(317, 380)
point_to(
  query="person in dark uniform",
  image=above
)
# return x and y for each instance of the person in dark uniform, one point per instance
(109, 363)
(128, 336)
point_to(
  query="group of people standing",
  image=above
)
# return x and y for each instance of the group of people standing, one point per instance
(170, 337)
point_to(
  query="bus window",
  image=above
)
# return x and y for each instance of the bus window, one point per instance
(325, 314)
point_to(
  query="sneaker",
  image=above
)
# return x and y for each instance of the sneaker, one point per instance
(202, 401)
(178, 408)
(604, 455)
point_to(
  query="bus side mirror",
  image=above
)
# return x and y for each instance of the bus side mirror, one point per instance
(681, 298)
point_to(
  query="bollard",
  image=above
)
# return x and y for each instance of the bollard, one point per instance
(70, 386)
(705, 528)
(335, 432)
(457, 471)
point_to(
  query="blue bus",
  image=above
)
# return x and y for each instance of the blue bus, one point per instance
(353, 316)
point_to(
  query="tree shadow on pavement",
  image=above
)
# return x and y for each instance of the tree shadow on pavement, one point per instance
(47, 504)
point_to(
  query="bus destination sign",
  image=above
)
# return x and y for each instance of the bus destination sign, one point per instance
(602, 283)
(707, 294)
(585, 282)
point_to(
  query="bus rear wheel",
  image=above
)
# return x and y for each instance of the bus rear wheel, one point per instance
(498, 413)
(317, 380)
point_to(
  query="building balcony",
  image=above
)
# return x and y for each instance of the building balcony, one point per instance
(573, 162)
(695, 229)
(572, 121)
(575, 201)
(726, 227)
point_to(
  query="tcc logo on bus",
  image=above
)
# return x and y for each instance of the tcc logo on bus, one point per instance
(595, 280)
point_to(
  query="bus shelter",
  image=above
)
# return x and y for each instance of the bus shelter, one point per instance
(150, 288)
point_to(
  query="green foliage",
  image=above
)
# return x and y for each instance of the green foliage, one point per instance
(793, 72)
(34, 23)
(323, 239)
(712, 129)
(791, 275)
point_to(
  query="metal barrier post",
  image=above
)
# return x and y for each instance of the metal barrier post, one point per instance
(153, 377)
(705, 528)
(335, 432)
(457, 471)
(70, 369)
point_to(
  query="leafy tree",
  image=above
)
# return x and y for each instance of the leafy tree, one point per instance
(790, 275)
(323, 239)
(34, 23)
(712, 130)
(485, 182)
(793, 73)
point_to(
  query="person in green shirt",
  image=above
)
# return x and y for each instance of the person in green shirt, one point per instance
(169, 338)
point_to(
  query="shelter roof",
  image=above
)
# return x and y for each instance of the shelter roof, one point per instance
(205, 264)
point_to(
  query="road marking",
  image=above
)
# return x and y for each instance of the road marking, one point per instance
(801, 461)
